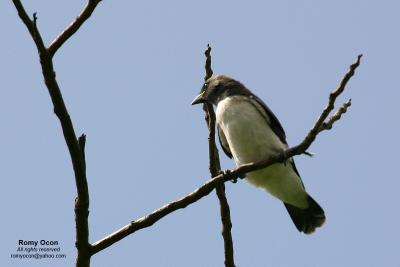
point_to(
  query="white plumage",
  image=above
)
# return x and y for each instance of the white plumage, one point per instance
(250, 132)
(244, 124)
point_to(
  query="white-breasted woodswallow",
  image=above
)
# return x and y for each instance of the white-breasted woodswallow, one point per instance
(249, 132)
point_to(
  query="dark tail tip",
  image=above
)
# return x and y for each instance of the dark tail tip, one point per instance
(306, 220)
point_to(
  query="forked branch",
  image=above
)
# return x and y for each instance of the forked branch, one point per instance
(75, 146)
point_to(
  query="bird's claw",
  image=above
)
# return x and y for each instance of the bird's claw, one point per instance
(225, 172)
(228, 174)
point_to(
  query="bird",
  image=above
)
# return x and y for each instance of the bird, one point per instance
(248, 132)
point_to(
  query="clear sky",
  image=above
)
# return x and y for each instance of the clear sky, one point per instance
(128, 77)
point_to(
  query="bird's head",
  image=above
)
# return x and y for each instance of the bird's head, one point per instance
(217, 88)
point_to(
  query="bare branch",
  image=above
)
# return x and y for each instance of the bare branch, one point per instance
(214, 162)
(335, 117)
(75, 146)
(155, 216)
(207, 66)
(215, 169)
(330, 106)
(73, 27)
(308, 154)
(202, 191)
(226, 225)
(312, 134)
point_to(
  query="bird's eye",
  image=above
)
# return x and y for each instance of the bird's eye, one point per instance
(205, 84)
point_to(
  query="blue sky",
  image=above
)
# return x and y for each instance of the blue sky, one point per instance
(128, 77)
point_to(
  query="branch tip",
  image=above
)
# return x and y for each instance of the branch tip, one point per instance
(36, 31)
(82, 140)
(310, 154)
(357, 63)
(209, 71)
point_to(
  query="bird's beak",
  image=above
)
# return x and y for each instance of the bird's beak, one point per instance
(199, 99)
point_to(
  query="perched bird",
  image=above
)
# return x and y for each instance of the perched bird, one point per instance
(249, 132)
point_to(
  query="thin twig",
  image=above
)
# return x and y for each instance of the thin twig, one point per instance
(207, 66)
(207, 187)
(215, 169)
(330, 106)
(75, 146)
(73, 27)
(335, 117)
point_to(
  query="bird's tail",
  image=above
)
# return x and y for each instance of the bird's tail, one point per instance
(306, 220)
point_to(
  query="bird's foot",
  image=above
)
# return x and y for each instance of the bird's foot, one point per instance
(228, 174)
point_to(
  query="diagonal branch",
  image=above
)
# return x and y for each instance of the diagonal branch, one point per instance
(207, 187)
(312, 134)
(330, 106)
(150, 219)
(215, 169)
(73, 27)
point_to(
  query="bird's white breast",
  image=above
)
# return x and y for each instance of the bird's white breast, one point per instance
(246, 129)
(245, 125)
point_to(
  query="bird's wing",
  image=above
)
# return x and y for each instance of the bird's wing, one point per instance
(270, 117)
(224, 142)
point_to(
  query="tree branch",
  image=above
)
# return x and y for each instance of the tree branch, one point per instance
(335, 117)
(73, 27)
(150, 219)
(312, 134)
(75, 146)
(330, 106)
(215, 169)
